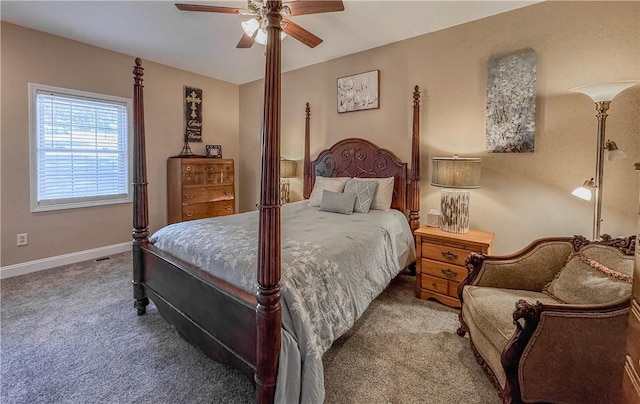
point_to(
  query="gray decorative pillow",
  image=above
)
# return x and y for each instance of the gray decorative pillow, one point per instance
(334, 184)
(364, 190)
(583, 280)
(384, 194)
(337, 202)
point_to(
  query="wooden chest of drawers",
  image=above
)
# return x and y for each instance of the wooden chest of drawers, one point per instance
(440, 261)
(199, 188)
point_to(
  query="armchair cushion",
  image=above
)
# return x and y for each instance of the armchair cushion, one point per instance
(492, 310)
(588, 277)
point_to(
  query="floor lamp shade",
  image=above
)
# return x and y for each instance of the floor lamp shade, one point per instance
(457, 175)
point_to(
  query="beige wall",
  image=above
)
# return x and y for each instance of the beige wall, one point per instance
(523, 196)
(32, 56)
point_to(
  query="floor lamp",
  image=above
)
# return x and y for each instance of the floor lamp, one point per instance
(602, 95)
(457, 175)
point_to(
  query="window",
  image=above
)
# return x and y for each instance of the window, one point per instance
(79, 149)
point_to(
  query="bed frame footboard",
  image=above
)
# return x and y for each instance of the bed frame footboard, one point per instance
(222, 324)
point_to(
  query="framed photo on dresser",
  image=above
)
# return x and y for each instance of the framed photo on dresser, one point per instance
(214, 151)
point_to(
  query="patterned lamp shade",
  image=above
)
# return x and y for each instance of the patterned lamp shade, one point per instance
(457, 174)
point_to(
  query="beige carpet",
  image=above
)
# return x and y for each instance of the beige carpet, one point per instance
(405, 350)
(71, 335)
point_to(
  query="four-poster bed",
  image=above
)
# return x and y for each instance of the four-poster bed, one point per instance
(224, 318)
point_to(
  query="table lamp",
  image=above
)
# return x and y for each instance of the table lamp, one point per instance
(287, 170)
(457, 175)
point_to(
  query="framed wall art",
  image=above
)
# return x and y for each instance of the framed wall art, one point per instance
(359, 92)
(193, 114)
(511, 102)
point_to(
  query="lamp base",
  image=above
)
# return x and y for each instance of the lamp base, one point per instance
(284, 190)
(454, 205)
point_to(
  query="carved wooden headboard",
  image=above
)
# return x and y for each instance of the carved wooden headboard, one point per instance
(360, 158)
(355, 157)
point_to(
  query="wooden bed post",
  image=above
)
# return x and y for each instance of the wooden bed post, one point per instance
(268, 315)
(307, 185)
(140, 231)
(414, 182)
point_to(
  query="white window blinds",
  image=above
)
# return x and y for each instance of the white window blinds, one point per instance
(81, 150)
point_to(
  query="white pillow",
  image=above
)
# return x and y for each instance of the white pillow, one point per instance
(333, 184)
(384, 193)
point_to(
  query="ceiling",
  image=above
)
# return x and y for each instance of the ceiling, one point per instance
(205, 43)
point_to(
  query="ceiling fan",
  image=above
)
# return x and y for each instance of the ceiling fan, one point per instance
(255, 28)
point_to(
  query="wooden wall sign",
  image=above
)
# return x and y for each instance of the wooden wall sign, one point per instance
(193, 114)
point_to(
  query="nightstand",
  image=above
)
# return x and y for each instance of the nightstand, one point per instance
(440, 262)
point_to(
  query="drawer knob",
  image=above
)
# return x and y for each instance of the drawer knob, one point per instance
(209, 169)
(228, 193)
(189, 214)
(189, 168)
(188, 179)
(449, 255)
(448, 272)
(228, 208)
(209, 178)
(189, 196)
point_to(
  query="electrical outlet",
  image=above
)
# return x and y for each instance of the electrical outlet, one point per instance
(22, 239)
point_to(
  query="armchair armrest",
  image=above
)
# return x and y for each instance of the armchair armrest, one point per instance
(528, 269)
(552, 342)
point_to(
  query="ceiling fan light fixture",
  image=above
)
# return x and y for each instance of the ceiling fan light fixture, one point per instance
(261, 37)
(257, 11)
(250, 26)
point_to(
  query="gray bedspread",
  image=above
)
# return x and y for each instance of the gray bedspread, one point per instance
(333, 266)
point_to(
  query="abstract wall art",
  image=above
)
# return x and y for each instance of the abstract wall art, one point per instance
(511, 102)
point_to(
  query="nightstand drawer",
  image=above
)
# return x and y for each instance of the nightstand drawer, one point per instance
(435, 284)
(451, 255)
(443, 270)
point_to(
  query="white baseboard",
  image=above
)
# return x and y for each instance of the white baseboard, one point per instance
(65, 259)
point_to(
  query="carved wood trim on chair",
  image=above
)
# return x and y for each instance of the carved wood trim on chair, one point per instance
(510, 358)
(624, 244)
(473, 264)
(487, 369)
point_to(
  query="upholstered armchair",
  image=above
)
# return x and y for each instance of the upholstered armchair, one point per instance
(548, 324)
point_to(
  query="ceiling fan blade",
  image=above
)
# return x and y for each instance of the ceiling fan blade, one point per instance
(210, 9)
(245, 42)
(301, 34)
(302, 7)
